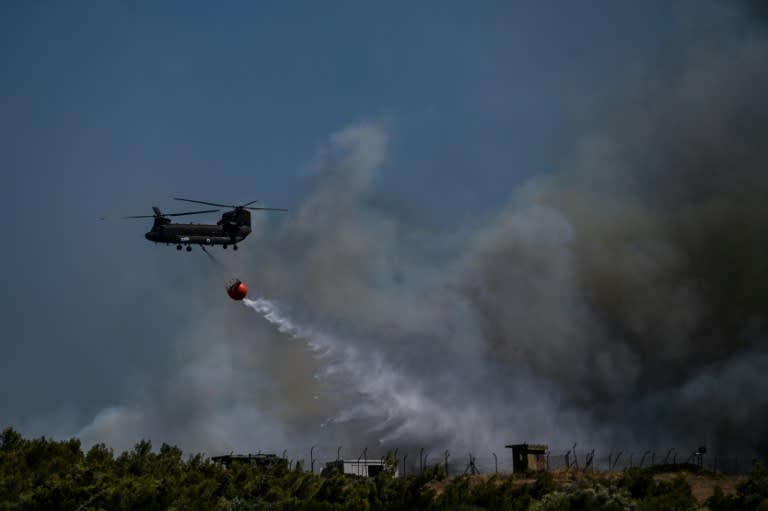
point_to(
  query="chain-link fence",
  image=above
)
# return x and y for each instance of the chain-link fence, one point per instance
(412, 461)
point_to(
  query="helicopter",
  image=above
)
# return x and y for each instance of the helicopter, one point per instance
(233, 227)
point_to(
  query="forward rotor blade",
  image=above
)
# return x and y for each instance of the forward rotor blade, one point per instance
(192, 212)
(158, 214)
(248, 203)
(267, 209)
(203, 202)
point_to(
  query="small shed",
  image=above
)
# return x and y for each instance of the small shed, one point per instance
(358, 467)
(528, 457)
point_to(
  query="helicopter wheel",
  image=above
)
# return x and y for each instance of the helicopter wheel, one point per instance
(234, 247)
(178, 247)
(189, 249)
(224, 245)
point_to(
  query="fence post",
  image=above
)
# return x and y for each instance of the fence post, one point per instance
(446, 461)
(471, 467)
(588, 460)
(496, 461)
(312, 459)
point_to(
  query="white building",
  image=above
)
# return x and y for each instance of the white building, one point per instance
(358, 467)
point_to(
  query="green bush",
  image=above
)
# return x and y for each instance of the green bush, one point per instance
(638, 481)
(665, 496)
(753, 493)
(586, 494)
(721, 502)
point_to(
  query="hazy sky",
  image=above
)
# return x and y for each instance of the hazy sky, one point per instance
(109, 108)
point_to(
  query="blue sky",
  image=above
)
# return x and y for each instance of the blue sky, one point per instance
(130, 96)
(113, 107)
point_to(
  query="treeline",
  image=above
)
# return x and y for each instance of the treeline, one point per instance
(42, 474)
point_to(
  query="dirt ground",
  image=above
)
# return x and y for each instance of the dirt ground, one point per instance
(702, 485)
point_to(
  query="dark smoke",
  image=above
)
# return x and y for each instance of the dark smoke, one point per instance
(665, 274)
(757, 10)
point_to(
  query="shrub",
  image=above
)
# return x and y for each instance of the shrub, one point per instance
(637, 481)
(664, 496)
(585, 494)
(753, 492)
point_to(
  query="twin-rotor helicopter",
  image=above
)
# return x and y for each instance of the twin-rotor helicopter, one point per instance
(233, 227)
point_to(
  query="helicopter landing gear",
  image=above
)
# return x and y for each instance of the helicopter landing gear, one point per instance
(234, 247)
(189, 249)
(224, 245)
(178, 247)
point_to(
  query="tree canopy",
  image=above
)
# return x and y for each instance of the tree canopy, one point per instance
(57, 475)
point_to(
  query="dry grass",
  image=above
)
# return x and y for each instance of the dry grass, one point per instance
(703, 485)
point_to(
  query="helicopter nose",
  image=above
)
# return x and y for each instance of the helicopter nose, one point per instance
(149, 236)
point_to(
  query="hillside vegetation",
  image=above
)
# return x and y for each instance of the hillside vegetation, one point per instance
(41, 474)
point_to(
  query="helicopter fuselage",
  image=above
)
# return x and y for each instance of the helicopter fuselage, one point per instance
(233, 226)
(198, 234)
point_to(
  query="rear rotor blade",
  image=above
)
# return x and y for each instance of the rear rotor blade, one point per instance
(203, 202)
(248, 203)
(267, 209)
(139, 216)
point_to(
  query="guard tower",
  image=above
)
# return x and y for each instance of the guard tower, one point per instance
(528, 457)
